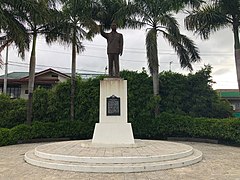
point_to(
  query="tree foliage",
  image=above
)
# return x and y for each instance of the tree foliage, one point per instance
(213, 16)
(107, 11)
(157, 17)
(192, 95)
(11, 27)
(180, 94)
(73, 25)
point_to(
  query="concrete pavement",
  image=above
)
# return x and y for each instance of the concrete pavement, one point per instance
(219, 162)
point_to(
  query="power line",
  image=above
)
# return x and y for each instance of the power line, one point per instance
(24, 65)
(101, 57)
(139, 50)
(173, 63)
(40, 65)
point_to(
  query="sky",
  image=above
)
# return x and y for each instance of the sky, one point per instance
(217, 51)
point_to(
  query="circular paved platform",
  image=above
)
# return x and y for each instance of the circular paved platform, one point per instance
(82, 156)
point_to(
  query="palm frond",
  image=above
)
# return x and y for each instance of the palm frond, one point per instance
(185, 49)
(189, 45)
(11, 24)
(80, 46)
(118, 11)
(75, 18)
(206, 20)
(180, 4)
(169, 22)
(229, 7)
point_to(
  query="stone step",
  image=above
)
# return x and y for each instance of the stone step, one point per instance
(31, 158)
(130, 159)
(144, 151)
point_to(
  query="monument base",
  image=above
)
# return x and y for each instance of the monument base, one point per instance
(113, 133)
(113, 128)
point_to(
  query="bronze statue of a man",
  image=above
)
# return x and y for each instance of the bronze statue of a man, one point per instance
(114, 49)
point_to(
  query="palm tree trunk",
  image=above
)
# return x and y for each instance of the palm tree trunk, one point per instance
(155, 71)
(155, 83)
(156, 90)
(31, 79)
(237, 52)
(152, 55)
(73, 78)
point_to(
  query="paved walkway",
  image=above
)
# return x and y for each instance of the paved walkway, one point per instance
(219, 162)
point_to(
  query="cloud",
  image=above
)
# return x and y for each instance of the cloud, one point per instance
(221, 71)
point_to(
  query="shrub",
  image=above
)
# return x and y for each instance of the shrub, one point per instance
(20, 133)
(166, 125)
(227, 130)
(61, 129)
(5, 137)
(12, 111)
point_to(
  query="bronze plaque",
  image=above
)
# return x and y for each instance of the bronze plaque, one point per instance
(113, 106)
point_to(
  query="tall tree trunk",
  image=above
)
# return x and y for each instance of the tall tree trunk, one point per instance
(6, 72)
(152, 55)
(155, 71)
(31, 80)
(155, 83)
(156, 90)
(237, 52)
(73, 78)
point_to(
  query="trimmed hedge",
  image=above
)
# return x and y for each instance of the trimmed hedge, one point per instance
(167, 125)
(40, 130)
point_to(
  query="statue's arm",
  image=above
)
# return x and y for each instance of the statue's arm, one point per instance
(105, 35)
(121, 44)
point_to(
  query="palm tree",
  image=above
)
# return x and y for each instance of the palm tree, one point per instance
(35, 17)
(22, 20)
(73, 25)
(13, 31)
(156, 15)
(107, 11)
(216, 15)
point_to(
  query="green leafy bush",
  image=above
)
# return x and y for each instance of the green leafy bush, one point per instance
(192, 95)
(166, 125)
(5, 138)
(227, 130)
(12, 111)
(20, 133)
(179, 94)
(61, 129)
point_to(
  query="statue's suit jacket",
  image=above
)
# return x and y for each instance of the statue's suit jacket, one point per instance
(115, 42)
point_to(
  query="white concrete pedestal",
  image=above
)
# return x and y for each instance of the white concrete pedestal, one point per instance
(113, 128)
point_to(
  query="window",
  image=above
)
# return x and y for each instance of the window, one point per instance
(237, 105)
(14, 91)
(45, 86)
(55, 75)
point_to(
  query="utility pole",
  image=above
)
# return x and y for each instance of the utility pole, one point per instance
(106, 68)
(170, 66)
(6, 72)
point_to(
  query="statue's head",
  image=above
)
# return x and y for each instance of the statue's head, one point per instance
(114, 26)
